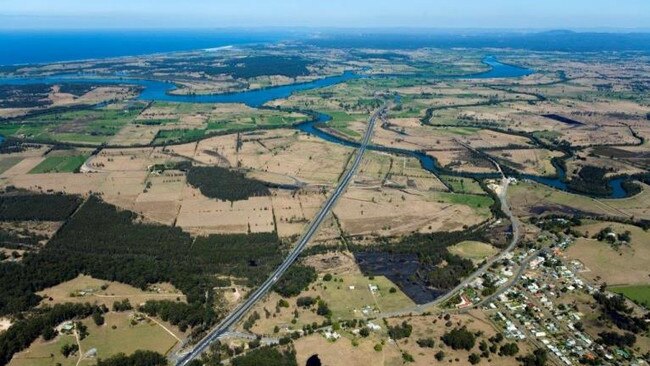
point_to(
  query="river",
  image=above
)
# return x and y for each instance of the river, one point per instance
(160, 91)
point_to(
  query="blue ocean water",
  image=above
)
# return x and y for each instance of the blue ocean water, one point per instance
(27, 47)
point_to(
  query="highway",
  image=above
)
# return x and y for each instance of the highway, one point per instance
(259, 293)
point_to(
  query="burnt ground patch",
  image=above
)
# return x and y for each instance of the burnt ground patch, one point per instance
(401, 269)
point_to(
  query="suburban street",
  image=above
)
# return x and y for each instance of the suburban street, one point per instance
(259, 293)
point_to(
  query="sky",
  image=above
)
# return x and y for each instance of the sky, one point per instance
(438, 14)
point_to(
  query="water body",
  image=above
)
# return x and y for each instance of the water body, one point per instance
(160, 91)
(38, 46)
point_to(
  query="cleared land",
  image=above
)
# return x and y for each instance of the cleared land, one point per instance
(121, 333)
(627, 265)
(87, 289)
(474, 250)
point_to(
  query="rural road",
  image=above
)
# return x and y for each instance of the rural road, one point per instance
(503, 197)
(259, 293)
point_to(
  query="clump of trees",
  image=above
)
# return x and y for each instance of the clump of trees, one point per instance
(509, 349)
(138, 358)
(225, 184)
(181, 314)
(459, 338)
(400, 331)
(615, 339)
(37, 207)
(266, 356)
(294, 280)
(591, 180)
(426, 342)
(539, 357)
(615, 308)
(107, 243)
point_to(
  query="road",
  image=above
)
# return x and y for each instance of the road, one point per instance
(503, 197)
(259, 293)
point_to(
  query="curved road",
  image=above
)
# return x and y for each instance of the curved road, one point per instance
(256, 295)
(503, 193)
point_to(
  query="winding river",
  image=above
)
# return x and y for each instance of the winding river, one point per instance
(160, 91)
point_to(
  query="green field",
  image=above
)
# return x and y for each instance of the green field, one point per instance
(640, 294)
(91, 126)
(60, 164)
(462, 185)
(117, 335)
(178, 136)
(480, 203)
(473, 250)
(343, 300)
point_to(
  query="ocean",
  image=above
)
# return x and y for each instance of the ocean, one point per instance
(42, 46)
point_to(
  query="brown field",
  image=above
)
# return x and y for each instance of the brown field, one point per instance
(626, 266)
(462, 160)
(87, 289)
(370, 209)
(397, 172)
(283, 152)
(343, 353)
(200, 215)
(529, 161)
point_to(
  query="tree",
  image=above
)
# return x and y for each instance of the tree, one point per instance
(440, 356)
(474, 358)
(425, 342)
(509, 349)
(49, 333)
(327, 277)
(138, 358)
(69, 349)
(323, 309)
(400, 331)
(98, 318)
(459, 338)
(537, 358)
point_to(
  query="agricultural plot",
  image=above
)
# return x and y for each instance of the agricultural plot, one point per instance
(365, 210)
(89, 126)
(528, 161)
(60, 164)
